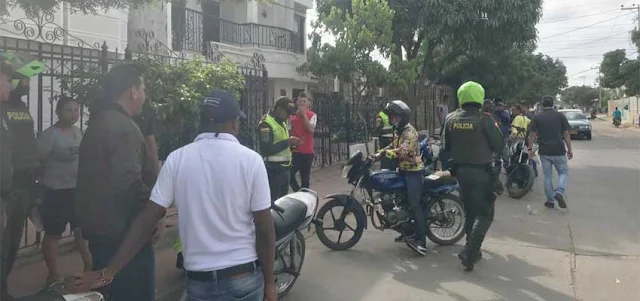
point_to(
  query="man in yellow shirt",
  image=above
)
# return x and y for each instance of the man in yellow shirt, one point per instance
(520, 122)
(520, 129)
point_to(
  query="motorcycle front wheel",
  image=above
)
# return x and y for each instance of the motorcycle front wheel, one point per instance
(520, 181)
(291, 259)
(333, 210)
(445, 213)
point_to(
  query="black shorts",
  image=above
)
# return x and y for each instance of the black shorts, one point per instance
(57, 210)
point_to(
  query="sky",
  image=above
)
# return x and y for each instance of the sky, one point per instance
(578, 32)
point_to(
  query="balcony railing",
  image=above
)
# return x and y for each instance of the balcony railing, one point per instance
(192, 31)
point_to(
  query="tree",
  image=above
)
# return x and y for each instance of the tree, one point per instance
(580, 95)
(432, 39)
(358, 34)
(610, 68)
(517, 75)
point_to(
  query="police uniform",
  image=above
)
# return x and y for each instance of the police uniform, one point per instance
(20, 198)
(473, 137)
(274, 148)
(385, 136)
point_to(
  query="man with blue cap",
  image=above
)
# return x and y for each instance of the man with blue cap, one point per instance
(221, 190)
(473, 138)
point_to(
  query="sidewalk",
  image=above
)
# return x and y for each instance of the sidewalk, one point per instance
(29, 275)
(626, 124)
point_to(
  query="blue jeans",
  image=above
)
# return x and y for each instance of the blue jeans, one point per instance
(136, 281)
(562, 167)
(247, 287)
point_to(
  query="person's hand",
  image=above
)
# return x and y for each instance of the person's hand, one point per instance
(294, 141)
(531, 153)
(87, 281)
(161, 228)
(570, 154)
(270, 292)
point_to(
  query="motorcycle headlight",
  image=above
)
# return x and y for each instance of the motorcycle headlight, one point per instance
(346, 170)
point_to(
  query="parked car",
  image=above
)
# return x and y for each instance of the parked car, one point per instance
(580, 124)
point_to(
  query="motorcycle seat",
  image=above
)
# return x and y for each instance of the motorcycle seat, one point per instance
(294, 215)
(435, 183)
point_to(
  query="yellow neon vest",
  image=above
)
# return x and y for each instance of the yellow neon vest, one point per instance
(387, 128)
(280, 133)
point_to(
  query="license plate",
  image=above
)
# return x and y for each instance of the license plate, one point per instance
(573, 132)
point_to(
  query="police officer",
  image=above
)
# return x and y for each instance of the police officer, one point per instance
(405, 149)
(275, 145)
(17, 123)
(385, 136)
(473, 137)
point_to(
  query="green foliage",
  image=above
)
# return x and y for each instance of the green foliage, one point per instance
(358, 34)
(618, 71)
(610, 68)
(580, 95)
(448, 42)
(174, 90)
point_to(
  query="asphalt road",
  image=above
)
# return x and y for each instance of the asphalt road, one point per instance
(590, 252)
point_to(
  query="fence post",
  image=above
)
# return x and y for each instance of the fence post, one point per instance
(127, 53)
(348, 125)
(104, 58)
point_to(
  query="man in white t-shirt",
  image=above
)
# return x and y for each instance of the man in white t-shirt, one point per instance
(221, 190)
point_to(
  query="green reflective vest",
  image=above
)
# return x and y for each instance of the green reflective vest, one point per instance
(387, 128)
(280, 133)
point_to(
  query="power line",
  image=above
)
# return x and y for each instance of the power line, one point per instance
(583, 27)
(588, 42)
(581, 72)
(630, 51)
(577, 17)
(582, 5)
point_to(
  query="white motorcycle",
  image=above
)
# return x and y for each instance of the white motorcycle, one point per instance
(292, 214)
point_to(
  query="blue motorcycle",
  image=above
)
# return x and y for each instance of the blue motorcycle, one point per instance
(381, 196)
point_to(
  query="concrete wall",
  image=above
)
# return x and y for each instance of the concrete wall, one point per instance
(630, 115)
(153, 18)
(109, 27)
(275, 85)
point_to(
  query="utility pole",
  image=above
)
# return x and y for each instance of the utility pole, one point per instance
(636, 8)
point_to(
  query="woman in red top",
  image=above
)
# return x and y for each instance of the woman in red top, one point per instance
(303, 123)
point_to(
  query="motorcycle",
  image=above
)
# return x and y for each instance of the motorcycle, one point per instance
(616, 122)
(291, 214)
(520, 174)
(53, 292)
(384, 199)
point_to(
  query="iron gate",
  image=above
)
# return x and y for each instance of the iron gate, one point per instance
(64, 61)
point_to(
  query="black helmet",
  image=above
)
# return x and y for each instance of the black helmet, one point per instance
(400, 109)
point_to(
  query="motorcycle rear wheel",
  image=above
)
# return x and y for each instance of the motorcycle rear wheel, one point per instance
(299, 247)
(361, 222)
(528, 174)
(458, 212)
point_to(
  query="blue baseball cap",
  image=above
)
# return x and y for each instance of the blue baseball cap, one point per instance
(221, 106)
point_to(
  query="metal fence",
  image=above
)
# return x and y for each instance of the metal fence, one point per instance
(192, 30)
(344, 120)
(63, 62)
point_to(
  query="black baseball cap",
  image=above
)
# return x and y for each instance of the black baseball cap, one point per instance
(286, 103)
(221, 106)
